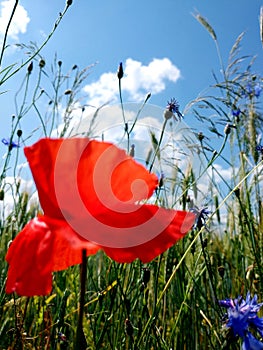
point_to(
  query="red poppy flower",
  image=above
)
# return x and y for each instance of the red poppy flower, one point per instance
(92, 197)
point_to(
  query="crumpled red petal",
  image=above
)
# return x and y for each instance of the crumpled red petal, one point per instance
(91, 195)
(43, 246)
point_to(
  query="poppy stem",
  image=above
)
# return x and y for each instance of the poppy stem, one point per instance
(80, 342)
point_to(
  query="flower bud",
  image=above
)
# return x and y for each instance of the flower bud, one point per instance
(30, 67)
(168, 114)
(227, 129)
(120, 71)
(19, 132)
(128, 327)
(42, 63)
(200, 136)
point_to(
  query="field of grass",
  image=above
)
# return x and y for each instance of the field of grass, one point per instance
(171, 302)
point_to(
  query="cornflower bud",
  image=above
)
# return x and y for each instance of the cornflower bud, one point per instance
(132, 151)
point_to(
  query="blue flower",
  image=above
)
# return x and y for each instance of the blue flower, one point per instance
(202, 215)
(259, 148)
(252, 90)
(173, 108)
(10, 144)
(236, 112)
(241, 316)
(257, 90)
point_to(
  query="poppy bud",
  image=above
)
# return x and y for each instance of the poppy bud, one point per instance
(128, 327)
(120, 71)
(146, 274)
(227, 129)
(30, 67)
(19, 132)
(68, 92)
(42, 63)
(69, 2)
(221, 271)
(148, 96)
(200, 136)
(59, 63)
(2, 195)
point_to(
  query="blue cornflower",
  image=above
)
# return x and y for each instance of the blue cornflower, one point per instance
(172, 108)
(252, 90)
(257, 90)
(242, 315)
(10, 144)
(201, 216)
(259, 148)
(236, 112)
(249, 89)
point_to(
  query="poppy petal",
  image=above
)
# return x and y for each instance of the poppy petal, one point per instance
(97, 174)
(43, 246)
(67, 245)
(174, 226)
(30, 268)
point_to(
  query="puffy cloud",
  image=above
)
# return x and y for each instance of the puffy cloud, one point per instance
(19, 22)
(138, 80)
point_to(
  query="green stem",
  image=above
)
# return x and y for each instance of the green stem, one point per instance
(6, 31)
(80, 342)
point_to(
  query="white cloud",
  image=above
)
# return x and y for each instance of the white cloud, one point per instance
(137, 82)
(19, 22)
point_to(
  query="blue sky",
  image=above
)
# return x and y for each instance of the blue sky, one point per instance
(164, 49)
(108, 32)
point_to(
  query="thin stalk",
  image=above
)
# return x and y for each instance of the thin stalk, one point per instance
(124, 119)
(6, 31)
(152, 317)
(80, 342)
(61, 15)
(159, 144)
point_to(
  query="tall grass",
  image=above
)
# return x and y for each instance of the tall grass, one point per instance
(171, 302)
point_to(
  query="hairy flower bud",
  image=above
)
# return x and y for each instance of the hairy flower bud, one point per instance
(19, 132)
(120, 71)
(30, 67)
(168, 114)
(42, 63)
